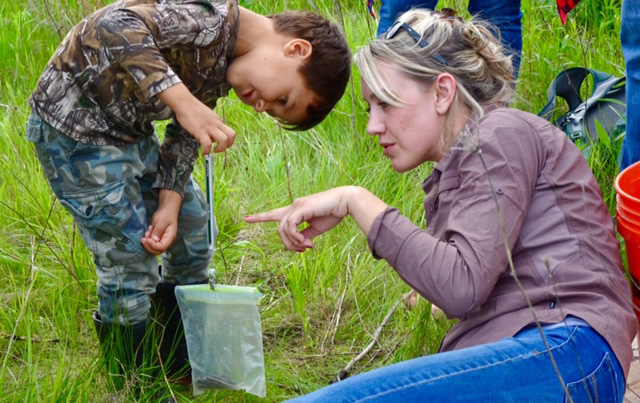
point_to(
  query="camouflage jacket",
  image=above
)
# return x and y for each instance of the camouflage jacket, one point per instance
(101, 85)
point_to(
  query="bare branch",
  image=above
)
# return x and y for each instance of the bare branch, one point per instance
(345, 372)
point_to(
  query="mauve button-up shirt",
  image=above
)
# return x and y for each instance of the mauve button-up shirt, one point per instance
(529, 194)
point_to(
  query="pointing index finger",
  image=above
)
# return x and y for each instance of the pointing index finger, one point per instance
(273, 215)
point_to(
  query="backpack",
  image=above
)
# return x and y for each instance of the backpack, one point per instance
(605, 107)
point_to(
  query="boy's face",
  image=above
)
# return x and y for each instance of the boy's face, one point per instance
(267, 79)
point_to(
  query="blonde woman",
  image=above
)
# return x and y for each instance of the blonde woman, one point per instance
(509, 193)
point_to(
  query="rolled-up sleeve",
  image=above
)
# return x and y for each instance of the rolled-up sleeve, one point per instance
(178, 153)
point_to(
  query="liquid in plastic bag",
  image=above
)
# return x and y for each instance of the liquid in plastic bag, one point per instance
(224, 337)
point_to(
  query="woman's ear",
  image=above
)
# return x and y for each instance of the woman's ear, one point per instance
(298, 48)
(445, 89)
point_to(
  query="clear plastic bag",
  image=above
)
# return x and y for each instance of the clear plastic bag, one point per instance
(224, 337)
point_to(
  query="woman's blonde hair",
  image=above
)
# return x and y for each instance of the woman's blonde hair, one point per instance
(471, 52)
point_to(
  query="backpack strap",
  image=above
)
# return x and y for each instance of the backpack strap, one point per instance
(567, 86)
(605, 105)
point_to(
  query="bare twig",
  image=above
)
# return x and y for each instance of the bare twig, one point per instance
(164, 372)
(42, 239)
(224, 259)
(345, 372)
(240, 270)
(355, 299)
(53, 19)
(286, 165)
(24, 338)
(338, 315)
(72, 260)
(335, 320)
(338, 8)
(15, 108)
(517, 279)
(24, 305)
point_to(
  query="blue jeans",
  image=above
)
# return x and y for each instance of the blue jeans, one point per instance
(504, 14)
(630, 39)
(109, 192)
(515, 369)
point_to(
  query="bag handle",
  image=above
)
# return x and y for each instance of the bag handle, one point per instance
(567, 86)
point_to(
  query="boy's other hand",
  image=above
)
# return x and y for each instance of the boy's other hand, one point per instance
(164, 225)
(161, 234)
(198, 119)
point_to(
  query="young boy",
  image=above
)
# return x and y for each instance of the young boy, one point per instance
(137, 61)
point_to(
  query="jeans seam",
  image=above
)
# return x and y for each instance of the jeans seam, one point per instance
(531, 354)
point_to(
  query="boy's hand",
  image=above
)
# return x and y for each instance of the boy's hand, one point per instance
(164, 225)
(206, 127)
(198, 119)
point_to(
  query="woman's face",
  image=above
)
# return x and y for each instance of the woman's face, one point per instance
(410, 134)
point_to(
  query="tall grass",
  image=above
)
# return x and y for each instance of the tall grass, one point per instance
(320, 308)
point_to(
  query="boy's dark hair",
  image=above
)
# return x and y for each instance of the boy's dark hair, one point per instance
(327, 71)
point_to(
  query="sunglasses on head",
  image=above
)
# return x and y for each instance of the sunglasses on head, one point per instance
(398, 25)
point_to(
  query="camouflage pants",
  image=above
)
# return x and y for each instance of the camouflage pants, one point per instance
(108, 190)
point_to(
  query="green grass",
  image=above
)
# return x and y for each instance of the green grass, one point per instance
(320, 308)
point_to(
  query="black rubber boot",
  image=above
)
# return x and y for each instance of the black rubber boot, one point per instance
(129, 357)
(173, 346)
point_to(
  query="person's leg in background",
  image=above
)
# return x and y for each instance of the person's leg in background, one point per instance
(507, 17)
(504, 14)
(391, 9)
(630, 39)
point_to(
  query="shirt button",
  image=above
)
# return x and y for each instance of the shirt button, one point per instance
(499, 191)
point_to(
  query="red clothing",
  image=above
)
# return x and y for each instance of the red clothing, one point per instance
(564, 6)
(559, 232)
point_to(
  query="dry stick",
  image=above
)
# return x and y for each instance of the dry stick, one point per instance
(547, 265)
(338, 7)
(355, 300)
(24, 338)
(240, 270)
(345, 372)
(601, 260)
(517, 280)
(164, 372)
(338, 315)
(344, 292)
(335, 320)
(53, 20)
(286, 164)
(42, 239)
(24, 306)
(72, 260)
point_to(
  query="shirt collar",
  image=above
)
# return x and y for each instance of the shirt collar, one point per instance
(451, 155)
